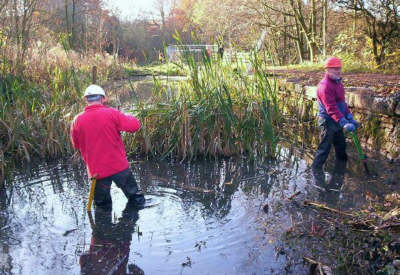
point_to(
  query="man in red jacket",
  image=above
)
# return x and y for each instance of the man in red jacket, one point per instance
(334, 115)
(96, 132)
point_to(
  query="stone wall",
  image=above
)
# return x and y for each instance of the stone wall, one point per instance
(379, 115)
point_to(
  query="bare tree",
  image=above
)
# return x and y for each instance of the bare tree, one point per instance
(295, 22)
(161, 6)
(22, 21)
(308, 29)
(382, 23)
(3, 4)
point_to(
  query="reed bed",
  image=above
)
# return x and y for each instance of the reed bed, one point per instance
(221, 111)
(36, 108)
(34, 119)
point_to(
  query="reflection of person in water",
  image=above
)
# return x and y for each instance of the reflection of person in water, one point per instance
(331, 189)
(3, 197)
(110, 244)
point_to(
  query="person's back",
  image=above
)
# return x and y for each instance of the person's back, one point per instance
(96, 133)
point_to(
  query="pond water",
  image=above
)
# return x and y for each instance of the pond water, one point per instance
(203, 217)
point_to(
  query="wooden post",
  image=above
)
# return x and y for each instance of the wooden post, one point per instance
(94, 75)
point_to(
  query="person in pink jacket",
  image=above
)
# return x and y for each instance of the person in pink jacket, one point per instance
(96, 132)
(334, 115)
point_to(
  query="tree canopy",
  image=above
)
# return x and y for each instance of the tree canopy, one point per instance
(297, 30)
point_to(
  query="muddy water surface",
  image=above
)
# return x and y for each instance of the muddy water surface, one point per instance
(203, 217)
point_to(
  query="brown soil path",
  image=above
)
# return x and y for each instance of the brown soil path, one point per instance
(382, 84)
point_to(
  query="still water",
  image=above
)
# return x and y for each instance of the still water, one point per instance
(202, 217)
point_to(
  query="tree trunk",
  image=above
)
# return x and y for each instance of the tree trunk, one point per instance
(373, 34)
(73, 31)
(85, 34)
(308, 32)
(313, 36)
(285, 42)
(299, 42)
(355, 18)
(162, 13)
(324, 25)
(22, 26)
(67, 26)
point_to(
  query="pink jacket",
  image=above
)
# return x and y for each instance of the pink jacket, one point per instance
(96, 133)
(331, 99)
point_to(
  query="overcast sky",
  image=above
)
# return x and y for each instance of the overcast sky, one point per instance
(133, 8)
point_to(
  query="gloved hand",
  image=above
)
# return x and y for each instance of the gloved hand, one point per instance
(343, 121)
(354, 122)
(349, 127)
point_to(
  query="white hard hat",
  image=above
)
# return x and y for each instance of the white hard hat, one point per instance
(94, 90)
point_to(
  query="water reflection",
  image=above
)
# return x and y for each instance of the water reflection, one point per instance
(5, 259)
(214, 183)
(207, 213)
(330, 189)
(110, 243)
(3, 199)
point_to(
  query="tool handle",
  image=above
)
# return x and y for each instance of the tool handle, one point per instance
(91, 193)
(363, 157)
(357, 145)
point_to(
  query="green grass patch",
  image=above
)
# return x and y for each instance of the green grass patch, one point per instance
(306, 66)
(169, 69)
(313, 67)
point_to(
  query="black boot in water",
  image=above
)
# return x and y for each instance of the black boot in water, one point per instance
(137, 200)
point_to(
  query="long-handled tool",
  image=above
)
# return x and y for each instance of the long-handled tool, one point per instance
(91, 193)
(363, 157)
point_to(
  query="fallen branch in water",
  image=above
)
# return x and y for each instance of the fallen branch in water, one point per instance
(69, 231)
(388, 226)
(366, 224)
(183, 186)
(323, 206)
(294, 195)
(365, 239)
(318, 267)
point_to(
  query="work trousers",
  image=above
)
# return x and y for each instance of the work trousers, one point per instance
(124, 180)
(331, 133)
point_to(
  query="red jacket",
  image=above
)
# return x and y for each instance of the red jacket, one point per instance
(331, 99)
(96, 133)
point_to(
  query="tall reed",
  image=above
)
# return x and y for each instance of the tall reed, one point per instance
(34, 119)
(221, 110)
(36, 107)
